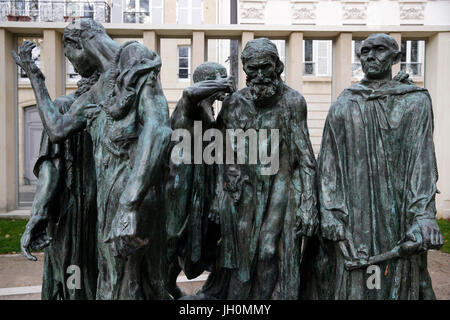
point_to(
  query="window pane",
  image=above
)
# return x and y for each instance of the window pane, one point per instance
(197, 3)
(197, 16)
(403, 50)
(308, 50)
(183, 73)
(183, 4)
(357, 49)
(157, 17)
(131, 5)
(183, 51)
(414, 51)
(143, 5)
(157, 3)
(183, 16)
(184, 63)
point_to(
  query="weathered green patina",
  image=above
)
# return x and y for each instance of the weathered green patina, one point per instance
(377, 185)
(64, 212)
(263, 217)
(126, 115)
(192, 237)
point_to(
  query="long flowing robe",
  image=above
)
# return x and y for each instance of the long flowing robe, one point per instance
(189, 191)
(252, 201)
(115, 131)
(377, 175)
(72, 215)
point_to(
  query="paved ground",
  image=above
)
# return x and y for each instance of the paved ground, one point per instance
(16, 271)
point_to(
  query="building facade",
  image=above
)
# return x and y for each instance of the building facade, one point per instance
(317, 40)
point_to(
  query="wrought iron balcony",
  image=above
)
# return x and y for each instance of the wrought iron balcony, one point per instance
(136, 17)
(53, 11)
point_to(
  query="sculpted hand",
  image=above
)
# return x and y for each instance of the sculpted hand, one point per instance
(25, 60)
(332, 228)
(431, 234)
(228, 84)
(81, 114)
(35, 237)
(123, 235)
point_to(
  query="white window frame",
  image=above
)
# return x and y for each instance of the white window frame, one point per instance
(420, 55)
(150, 8)
(188, 79)
(189, 9)
(315, 57)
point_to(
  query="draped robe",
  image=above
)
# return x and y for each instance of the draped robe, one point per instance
(72, 214)
(377, 175)
(249, 204)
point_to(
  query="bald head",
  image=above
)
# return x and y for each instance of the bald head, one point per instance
(377, 54)
(209, 71)
(384, 38)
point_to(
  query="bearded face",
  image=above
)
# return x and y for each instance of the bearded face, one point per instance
(262, 78)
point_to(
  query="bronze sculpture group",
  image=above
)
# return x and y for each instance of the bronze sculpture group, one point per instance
(112, 200)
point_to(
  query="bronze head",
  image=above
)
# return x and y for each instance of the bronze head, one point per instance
(263, 68)
(378, 53)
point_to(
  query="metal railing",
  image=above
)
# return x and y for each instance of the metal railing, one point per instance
(136, 17)
(309, 68)
(53, 11)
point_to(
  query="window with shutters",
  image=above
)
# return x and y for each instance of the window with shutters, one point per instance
(184, 62)
(143, 11)
(356, 63)
(281, 47)
(317, 58)
(413, 54)
(189, 11)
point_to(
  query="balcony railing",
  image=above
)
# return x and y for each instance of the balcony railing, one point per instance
(136, 17)
(53, 11)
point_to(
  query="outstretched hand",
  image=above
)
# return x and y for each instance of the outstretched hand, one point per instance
(25, 59)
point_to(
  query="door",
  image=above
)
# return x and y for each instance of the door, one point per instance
(32, 139)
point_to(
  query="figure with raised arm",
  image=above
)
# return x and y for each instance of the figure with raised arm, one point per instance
(126, 115)
(64, 212)
(192, 238)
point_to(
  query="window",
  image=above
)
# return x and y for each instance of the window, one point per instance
(317, 58)
(138, 11)
(184, 62)
(356, 63)
(281, 47)
(71, 74)
(189, 11)
(413, 52)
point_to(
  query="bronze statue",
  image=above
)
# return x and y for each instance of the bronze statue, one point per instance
(127, 117)
(64, 213)
(263, 213)
(192, 237)
(377, 185)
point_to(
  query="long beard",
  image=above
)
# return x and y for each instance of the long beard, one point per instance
(260, 91)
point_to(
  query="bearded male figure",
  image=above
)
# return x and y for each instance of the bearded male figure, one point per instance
(126, 115)
(64, 213)
(377, 185)
(263, 214)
